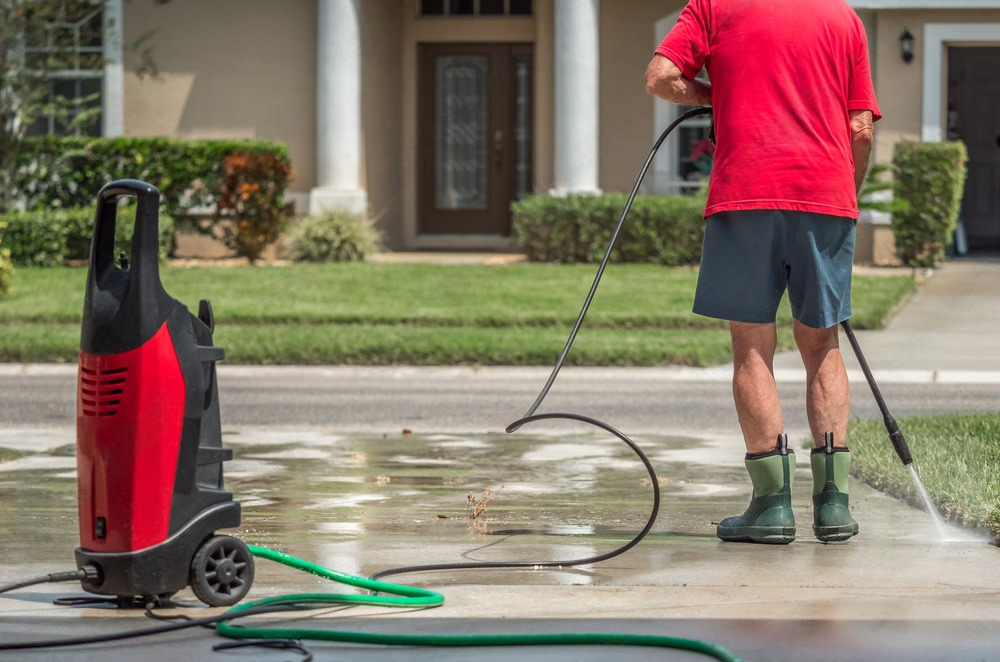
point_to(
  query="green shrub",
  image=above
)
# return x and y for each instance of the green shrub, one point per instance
(69, 171)
(929, 180)
(49, 237)
(333, 236)
(35, 239)
(577, 228)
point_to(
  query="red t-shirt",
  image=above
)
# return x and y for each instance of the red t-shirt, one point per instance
(785, 74)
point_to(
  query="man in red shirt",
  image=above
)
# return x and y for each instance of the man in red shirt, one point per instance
(794, 107)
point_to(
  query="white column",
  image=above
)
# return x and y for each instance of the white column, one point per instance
(338, 112)
(576, 104)
(113, 110)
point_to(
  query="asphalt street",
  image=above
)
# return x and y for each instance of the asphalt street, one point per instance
(471, 400)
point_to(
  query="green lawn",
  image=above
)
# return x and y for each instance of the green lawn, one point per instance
(421, 314)
(956, 457)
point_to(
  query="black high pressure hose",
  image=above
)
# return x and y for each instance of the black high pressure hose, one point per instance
(531, 417)
(513, 427)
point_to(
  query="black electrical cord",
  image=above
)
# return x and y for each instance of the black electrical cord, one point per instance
(531, 417)
(84, 573)
(160, 629)
(276, 644)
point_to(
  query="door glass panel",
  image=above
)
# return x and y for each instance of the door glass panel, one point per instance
(431, 7)
(520, 7)
(522, 127)
(491, 7)
(461, 132)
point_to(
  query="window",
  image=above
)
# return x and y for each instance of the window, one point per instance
(433, 8)
(71, 56)
(694, 151)
(684, 160)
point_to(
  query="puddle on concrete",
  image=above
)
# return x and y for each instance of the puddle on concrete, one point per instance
(550, 496)
(362, 504)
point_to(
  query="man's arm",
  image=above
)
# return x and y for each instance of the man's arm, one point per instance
(665, 80)
(862, 136)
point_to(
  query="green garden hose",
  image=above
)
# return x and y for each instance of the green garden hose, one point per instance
(409, 597)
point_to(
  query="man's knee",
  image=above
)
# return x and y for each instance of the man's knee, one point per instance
(815, 343)
(753, 340)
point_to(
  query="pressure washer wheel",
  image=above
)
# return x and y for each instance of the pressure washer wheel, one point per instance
(222, 571)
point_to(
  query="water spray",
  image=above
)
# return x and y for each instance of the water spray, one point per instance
(896, 436)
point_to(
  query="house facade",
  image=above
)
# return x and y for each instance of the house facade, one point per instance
(435, 114)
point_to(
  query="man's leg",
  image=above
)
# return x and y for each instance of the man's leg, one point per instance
(768, 518)
(828, 395)
(828, 404)
(754, 390)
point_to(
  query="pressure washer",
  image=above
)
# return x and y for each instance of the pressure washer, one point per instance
(149, 436)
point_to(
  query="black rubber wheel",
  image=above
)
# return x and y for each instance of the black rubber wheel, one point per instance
(222, 571)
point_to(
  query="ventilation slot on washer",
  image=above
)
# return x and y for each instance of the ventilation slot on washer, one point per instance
(101, 391)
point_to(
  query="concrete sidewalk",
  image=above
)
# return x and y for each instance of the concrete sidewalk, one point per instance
(949, 330)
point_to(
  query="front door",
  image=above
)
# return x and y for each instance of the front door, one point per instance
(474, 141)
(974, 118)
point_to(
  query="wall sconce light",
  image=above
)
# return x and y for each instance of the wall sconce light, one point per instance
(906, 46)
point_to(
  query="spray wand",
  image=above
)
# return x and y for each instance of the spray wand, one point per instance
(895, 434)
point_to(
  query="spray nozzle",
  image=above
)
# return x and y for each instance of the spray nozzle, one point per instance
(898, 442)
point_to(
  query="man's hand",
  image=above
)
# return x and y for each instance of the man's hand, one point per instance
(665, 80)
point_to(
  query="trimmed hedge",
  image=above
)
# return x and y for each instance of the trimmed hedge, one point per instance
(929, 181)
(69, 171)
(50, 237)
(577, 228)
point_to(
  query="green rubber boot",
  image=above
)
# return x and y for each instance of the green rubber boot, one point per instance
(832, 521)
(769, 517)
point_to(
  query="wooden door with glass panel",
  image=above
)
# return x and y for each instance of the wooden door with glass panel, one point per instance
(474, 145)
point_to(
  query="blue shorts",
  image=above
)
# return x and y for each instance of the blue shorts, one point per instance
(751, 257)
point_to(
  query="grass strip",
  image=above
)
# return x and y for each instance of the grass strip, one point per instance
(373, 344)
(956, 458)
(421, 314)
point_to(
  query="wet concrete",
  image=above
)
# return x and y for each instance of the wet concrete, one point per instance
(365, 503)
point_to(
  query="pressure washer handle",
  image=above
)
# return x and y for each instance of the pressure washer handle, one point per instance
(145, 237)
(130, 293)
(895, 434)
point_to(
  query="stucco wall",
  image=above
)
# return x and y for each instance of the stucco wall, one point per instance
(900, 85)
(381, 119)
(227, 68)
(627, 42)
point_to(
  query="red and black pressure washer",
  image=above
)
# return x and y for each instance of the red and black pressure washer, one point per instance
(149, 436)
